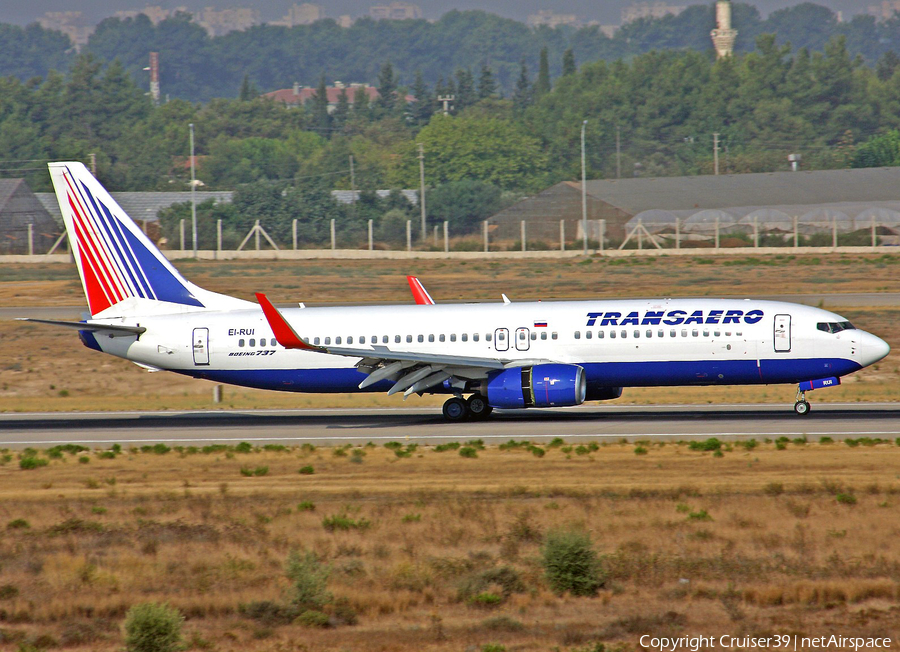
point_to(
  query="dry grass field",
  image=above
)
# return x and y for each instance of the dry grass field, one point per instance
(430, 550)
(43, 368)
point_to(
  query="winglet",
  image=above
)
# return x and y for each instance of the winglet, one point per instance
(420, 294)
(284, 333)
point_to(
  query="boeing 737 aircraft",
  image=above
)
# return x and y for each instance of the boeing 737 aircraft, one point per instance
(484, 356)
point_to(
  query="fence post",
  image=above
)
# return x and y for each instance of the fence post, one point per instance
(370, 236)
(30, 239)
(486, 249)
(218, 237)
(756, 232)
(834, 232)
(562, 235)
(294, 233)
(678, 233)
(446, 237)
(333, 239)
(182, 235)
(409, 235)
(640, 233)
(602, 227)
(256, 234)
(522, 235)
(436, 235)
(717, 233)
(796, 232)
(874, 237)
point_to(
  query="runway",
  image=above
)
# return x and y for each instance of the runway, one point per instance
(426, 426)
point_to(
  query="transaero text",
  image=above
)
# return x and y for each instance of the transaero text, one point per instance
(674, 317)
(778, 641)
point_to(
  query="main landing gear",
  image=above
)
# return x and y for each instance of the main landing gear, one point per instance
(475, 408)
(801, 407)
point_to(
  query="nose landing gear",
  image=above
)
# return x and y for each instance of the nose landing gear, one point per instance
(801, 407)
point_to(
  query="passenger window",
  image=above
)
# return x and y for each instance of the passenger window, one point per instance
(577, 335)
(464, 337)
(695, 332)
(501, 336)
(588, 335)
(543, 335)
(316, 341)
(385, 339)
(487, 337)
(672, 333)
(421, 338)
(441, 337)
(337, 340)
(684, 332)
(327, 341)
(738, 334)
(452, 337)
(660, 333)
(253, 342)
(554, 336)
(373, 339)
(397, 339)
(624, 334)
(649, 333)
(475, 337)
(521, 336)
(612, 334)
(727, 334)
(241, 342)
(600, 335)
(637, 333)
(350, 339)
(705, 333)
(533, 336)
(716, 333)
(431, 337)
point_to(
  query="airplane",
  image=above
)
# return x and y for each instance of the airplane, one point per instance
(508, 355)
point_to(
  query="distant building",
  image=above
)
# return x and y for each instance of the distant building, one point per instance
(885, 10)
(723, 36)
(344, 21)
(71, 23)
(155, 13)
(552, 19)
(395, 11)
(650, 10)
(305, 14)
(19, 209)
(300, 95)
(217, 22)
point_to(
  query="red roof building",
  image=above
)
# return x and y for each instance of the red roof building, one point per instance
(300, 95)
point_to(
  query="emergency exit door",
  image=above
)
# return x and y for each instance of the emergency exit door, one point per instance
(782, 333)
(201, 346)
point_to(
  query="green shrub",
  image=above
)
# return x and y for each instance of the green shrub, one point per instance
(846, 499)
(476, 443)
(711, 444)
(153, 627)
(258, 471)
(556, 442)
(18, 524)
(486, 600)
(312, 618)
(468, 451)
(700, 515)
(774, 489)
(640, 450)
(581, 450)
(268, 613)
(244, 447)
(537, 451)
(29, 463)
(451, 446)
(780, 445)
(570, 563)
(493, 647)
(411, 518)
(84, 459)
(309, 578)
(344, 522)
(393, 445)
(307, 470)
(306, 506)
(9, 591)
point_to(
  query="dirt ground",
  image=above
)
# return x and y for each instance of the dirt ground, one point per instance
(43, 368)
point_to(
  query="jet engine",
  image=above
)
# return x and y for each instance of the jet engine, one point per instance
(544, 385)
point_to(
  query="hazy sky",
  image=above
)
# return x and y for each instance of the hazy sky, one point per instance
(606, 11)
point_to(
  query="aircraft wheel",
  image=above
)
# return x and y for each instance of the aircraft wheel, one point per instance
(801, 408)
(478, 407)
(455, 409)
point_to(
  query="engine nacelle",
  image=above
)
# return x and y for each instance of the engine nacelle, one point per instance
(544, 385)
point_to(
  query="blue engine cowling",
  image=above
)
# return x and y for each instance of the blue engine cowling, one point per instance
(544, 385)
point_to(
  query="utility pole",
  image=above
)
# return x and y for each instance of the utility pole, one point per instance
(353, 186)
(93, 163)
(193, 191)
(445, 100)
(583, 191)
(716, 152)
(618, 153)
(422, 186)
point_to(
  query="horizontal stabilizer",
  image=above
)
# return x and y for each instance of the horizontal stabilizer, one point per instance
(112, 330)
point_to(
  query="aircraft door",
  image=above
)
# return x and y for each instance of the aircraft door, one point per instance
(201, 346)
(782, 333)
(501, 339)
(522, 340)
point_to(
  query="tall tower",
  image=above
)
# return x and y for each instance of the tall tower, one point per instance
(154, 77)
(723, 36)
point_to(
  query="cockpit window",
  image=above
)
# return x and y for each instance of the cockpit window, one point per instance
(834, 326)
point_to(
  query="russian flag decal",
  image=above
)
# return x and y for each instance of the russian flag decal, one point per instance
(540, 324)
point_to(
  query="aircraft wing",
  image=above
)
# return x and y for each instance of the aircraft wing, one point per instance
(111, 330)
(411, 372)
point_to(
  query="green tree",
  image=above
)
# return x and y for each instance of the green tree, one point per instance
(248, 90)
(309, 580)
(423, 106)
(879, 151)
(386, 103)
(341, 114)
(465, 89)
(153, 627)
(542, 85)
(464, 204)
(570, 563)
(524, 92)
(568, 63)
(487, 85)
(319, 103)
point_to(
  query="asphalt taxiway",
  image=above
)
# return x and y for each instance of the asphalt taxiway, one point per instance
(426, 426)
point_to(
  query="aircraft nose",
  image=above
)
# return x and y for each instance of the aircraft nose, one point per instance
(872, 349)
